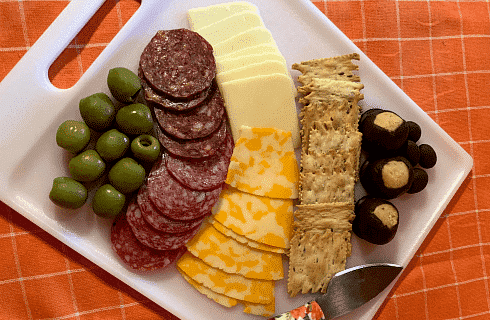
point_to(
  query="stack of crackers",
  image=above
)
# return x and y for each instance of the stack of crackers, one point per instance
(331, 144)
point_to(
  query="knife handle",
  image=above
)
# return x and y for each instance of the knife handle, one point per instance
(310, 310)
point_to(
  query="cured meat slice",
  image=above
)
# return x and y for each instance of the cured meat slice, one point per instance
(174, 200)
(159, 221)
(194, 148)
(164, 101)
(178, 62)
(153, 238)
(205, 173)
(136, 255)
(199, 122)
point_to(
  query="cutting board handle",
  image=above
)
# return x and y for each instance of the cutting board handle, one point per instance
(28, 95)
(54, 40)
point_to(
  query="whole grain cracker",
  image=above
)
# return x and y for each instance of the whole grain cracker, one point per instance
(339, 67)
(338, 114)
(329, 87)
(334, 162)
(314, 258)
(336, 216)
(324, 140)
(319, 188)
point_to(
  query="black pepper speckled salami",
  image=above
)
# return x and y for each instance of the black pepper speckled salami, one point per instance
(174, 200)
(153, 238)
(194, 148)
(199, 122)
(161, 100)
(136, 255)
(204, 173)
(178, 62)
(159, 221)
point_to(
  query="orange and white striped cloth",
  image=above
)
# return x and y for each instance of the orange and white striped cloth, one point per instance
(433, 50)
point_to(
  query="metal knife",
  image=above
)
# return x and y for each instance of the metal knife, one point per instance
(346, 291)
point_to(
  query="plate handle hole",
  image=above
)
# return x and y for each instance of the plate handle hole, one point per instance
(92, 39)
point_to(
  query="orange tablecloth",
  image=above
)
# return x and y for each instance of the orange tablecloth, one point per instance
(434, 50)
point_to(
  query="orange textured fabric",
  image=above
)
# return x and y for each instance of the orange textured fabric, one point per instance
(433, 50)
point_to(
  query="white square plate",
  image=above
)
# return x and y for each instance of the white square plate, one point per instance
(31, 109)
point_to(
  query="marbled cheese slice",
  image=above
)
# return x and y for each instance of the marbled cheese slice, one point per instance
(231, 256)
(264, 163)
(265, 310)
(246, 241)
(218, 298)
(262, 219)
(232, 285)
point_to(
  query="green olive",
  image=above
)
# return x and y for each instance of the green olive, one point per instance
(112, 145)
(68, 193)
(73, 135)
(127, 175)
(146, 148)
(87, 166)
(134, 119)
(107, 201)
(124, 84)
(97, 111)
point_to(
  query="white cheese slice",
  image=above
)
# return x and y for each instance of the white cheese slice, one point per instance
(225, 65)
(258, 49)
(203, 16)
(256, 69)
(261, 101)
(249, 38)
(230, 26)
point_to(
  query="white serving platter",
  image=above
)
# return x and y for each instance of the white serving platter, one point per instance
(31, 109)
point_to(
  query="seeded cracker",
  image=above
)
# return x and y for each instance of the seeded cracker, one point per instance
(321, 241)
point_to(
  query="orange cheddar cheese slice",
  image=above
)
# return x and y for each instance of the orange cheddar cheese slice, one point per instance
(262, 219)
(249, 242)
(231, 285)
(231, 256)
(265, 310)
(264, 163)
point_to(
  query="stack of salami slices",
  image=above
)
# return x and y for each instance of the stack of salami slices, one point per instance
(177, 71)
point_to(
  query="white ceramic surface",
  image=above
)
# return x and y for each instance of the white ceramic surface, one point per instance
(31, 109)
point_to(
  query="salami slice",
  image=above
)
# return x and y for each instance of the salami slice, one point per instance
(136, 255)
(205, 173)
(153, 238)
(178, 62)
(164, 101)
(194, 148)
(196, 123)
(159, 221)
(174, 200)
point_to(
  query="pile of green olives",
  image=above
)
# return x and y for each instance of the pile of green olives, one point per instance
(123, 145)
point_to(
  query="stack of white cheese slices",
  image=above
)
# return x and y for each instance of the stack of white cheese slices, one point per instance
(252, 74)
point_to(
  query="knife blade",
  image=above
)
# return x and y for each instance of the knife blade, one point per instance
(346, 291)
